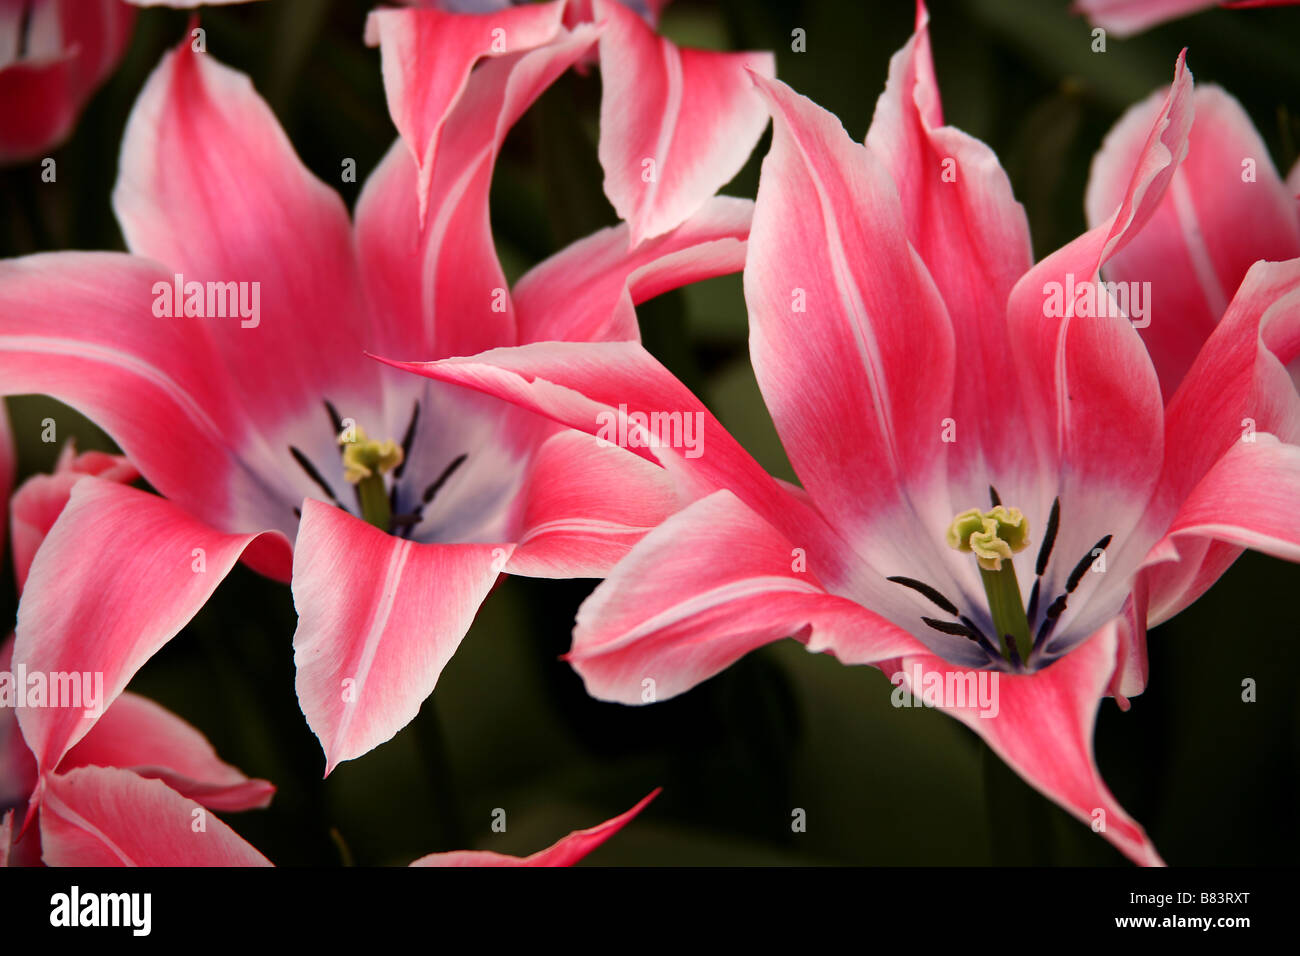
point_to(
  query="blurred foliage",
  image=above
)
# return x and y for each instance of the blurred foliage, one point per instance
(1213, 780)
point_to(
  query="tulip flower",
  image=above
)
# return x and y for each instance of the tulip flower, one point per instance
(135, 735)
(675, 124)
(1127, 17)
(1226, 208)
(992, 488)
(226, 356)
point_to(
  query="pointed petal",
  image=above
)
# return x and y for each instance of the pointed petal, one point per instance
(119, 575)
(1099, 423)
(974, 238)
(378, 619)
(18, 774)
(615, 390)
(850, 340)
(39, 501)
(586, 292)
(427, 57)
(1218, 218)
(566, 852)
(440, 291)
(79, 327)
(101, 816)
(137, 734)
(1127, 17)
(1041, 724)
(210, 186)
(675, 124)
(672, 615)
(586, 503)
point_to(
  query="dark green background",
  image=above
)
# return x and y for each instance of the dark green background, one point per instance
(1212, 778)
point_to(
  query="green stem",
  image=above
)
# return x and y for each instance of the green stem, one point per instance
(374, 501)
(1008, 610)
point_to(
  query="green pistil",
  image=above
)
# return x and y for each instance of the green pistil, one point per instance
(365, 463)
(993, 537)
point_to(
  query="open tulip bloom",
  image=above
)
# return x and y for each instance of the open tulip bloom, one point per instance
(992, 485)
(226, 355)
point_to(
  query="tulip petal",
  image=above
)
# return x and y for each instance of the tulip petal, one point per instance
(617, 391)
(139, 735)
(210, 186)
(974, 238)
(78, 326)
(1098, 431)
(1041, 724)
(102, 816)
(159, 565)
(566, 852)
(1218, 218)
(39, 501)
(586, 292)
(672, 615)
(8, 465)
(427, 56)
(586, 504)
(439, 290)
(850, 339)
(1239, 387)
(675, 124)
(378, 619)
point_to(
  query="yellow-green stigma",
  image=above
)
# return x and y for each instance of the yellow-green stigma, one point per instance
(365, 462)
(993, 536)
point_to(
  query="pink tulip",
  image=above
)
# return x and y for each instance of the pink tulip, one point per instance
(134, 734)
(675, 124)
(1127, 17)
(1227, 208)
(902, 340)
(237, 421)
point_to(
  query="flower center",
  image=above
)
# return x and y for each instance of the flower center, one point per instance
(366, 462)
(993, 537)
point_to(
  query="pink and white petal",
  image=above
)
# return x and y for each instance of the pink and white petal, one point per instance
(427, 56)
(1127, 17)
(1238, 387)
(712, 583)
(139, 735)
(121, 572)
(1131, 663)
(849, 337)
(614, 390)
(39, 501)
(1246, 500)
(966, 225)
(1042, 727)
(1098, 429)
(586, 292)
(676, 124)
(566, 852)
(210, 186)
(1217, 219)
(379, 617)
(80, 328)
(440, 291)
(104, 816)
(587, 503)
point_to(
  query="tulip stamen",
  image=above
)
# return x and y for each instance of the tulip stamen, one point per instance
(993, 536)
